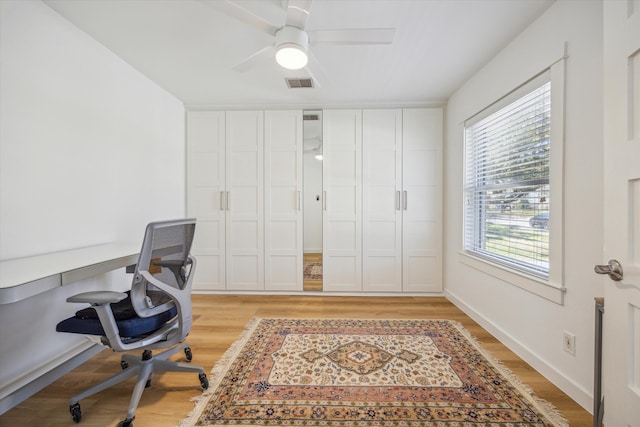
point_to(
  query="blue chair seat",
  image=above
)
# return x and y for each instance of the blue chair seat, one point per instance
(131, 327)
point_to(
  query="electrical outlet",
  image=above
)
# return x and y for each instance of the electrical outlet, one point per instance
(569, 342)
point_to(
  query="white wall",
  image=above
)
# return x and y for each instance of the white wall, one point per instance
(530, 325)
(90, 151)
(90, 148)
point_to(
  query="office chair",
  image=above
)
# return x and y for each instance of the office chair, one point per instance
(154, 314)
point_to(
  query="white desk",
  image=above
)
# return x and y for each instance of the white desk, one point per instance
(25, 277)
(31, 276)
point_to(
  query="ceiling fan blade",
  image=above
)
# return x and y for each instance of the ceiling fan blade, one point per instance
(353, 36)
(242, 14)
(298, 13)
(262, 55)
(316, 71)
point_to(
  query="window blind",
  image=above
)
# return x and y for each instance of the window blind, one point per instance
(507, 179)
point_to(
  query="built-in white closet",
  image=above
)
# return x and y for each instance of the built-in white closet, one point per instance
(226, 195)
(382, 199)
(206, 194)
(342, 200)
(382, 218)
(283, 200)
(422, 200)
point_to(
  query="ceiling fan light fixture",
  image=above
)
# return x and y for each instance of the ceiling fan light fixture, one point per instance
(291, 56)
(291, 47)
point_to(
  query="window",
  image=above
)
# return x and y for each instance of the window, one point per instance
(507, 180)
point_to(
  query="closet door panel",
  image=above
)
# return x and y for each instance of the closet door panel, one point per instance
(422, 218)
(284, 272)
(284, 237)
(283, 201)
(421, 271)
(245, 168)
(246, 240)
(382, 215)
(343, 168)
(383, 237)
(244, 200)
(382, 272)
(342, 214)
(245, 272)
(205, 191)
(341, 274)
(342, 202)
(204, 172)
(342, 238)
(243, 204)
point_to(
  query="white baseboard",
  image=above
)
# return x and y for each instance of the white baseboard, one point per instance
(583, 397)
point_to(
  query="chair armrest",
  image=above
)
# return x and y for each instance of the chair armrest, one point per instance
(98, 297)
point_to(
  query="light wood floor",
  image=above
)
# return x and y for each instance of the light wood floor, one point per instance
(218, 321)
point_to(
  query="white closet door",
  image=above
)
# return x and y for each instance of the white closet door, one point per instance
(382, 200)
(206, 190)
(283, 200)
(422, 214)
(244, 200)
(342, 198)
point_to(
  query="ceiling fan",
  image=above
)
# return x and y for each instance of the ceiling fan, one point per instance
(292, 41)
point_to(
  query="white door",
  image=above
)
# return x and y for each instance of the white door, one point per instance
(621, 327)
(381, 200)
(283, 200)
(422, 200)
(245, 200)
(205, 195)
(342, 200)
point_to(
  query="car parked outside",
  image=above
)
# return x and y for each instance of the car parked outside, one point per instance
(540, 221)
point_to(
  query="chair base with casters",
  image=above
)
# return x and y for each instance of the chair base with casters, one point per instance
(143, 367)
(154, 315)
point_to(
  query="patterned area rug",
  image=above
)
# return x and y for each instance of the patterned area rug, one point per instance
(328, 372)
(313, 270)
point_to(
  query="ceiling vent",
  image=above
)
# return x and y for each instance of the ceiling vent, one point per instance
(299, 83)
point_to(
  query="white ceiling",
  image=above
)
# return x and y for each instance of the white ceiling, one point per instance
(189, 47)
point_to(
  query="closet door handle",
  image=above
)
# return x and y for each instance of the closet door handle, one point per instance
(222, 204)
(299, 200)
(228, 200)
(324, 200)
(397, 200)
(404, 205)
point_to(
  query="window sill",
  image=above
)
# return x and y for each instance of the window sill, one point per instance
(536, 286)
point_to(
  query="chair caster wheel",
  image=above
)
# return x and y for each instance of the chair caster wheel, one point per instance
(76, 413)
(188, 354)
(204, 382)
(126, 423)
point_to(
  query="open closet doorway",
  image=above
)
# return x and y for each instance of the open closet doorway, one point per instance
(312, 195)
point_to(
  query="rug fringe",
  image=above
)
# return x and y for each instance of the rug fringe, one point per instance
(546, 408)
(217, 373)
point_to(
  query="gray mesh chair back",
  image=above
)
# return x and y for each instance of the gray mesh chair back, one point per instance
(165, 265)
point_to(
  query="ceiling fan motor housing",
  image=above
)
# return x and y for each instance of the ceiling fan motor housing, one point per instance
(289, 35)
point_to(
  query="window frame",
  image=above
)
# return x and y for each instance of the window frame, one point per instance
(550, 287)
